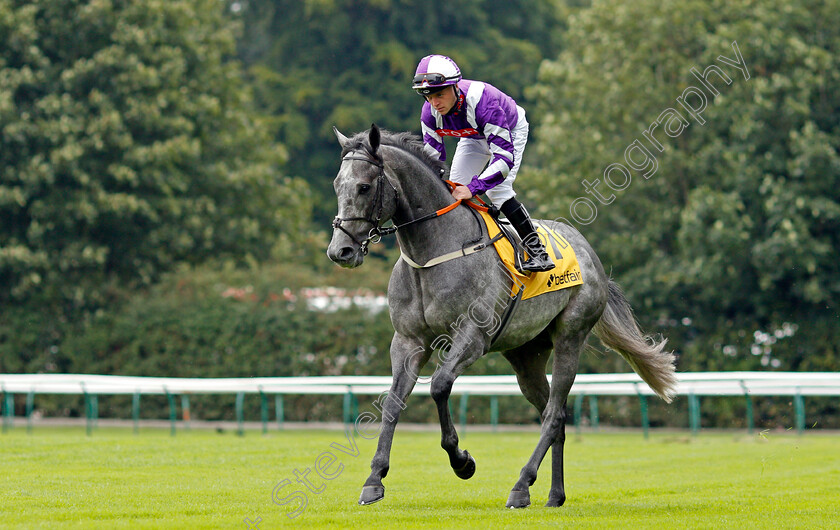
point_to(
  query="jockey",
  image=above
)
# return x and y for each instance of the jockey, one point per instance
(492, 132)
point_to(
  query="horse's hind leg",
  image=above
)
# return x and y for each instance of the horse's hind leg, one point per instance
(566, 353)
(529, 362)
(566, 356)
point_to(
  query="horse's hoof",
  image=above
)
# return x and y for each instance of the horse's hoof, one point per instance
(468, 470)
(518, 499)
(371, 494)
(555, 502)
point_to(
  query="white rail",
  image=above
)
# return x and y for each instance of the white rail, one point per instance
(693, 385)
(696, 383)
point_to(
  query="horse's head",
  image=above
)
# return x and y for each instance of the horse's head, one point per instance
(366, 198)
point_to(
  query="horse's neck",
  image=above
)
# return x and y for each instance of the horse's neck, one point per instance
(420, 194)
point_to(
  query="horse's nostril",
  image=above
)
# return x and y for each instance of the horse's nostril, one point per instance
(345, 253)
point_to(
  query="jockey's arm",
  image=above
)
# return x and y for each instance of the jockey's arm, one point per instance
(500, 142)
(432, 142)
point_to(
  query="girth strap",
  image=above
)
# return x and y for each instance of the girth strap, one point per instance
(507, 316)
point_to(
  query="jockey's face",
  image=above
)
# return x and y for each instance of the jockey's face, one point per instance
(444, 100)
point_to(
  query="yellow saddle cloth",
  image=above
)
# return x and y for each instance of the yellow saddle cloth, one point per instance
(566, 272)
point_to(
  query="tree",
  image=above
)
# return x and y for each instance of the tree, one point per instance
(348, 63)
(128, 145)
(729, 243)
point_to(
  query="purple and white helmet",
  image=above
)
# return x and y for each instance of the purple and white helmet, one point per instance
(434, 73)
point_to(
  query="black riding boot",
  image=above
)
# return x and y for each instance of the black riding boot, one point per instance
(538, 259)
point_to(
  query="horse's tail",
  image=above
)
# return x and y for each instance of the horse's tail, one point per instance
(618, 330)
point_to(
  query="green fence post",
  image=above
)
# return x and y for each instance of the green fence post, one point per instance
(30, 405)
(463, 413)
(185, 411)
(173, 416)
(240, 405)
(749, 403)
(578, 412)
(278, 409)
(94, 409)
(799, 407)
(694, 413)
(643, 405)
(264, 411)
(88, 412)
(494, 412)
(135, 410)
(593, 411)
(345, 409)
(88, 415)
(8, 410)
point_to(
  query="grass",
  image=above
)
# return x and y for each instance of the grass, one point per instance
(61, 478)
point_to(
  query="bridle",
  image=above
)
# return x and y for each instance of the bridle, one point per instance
(377, 231)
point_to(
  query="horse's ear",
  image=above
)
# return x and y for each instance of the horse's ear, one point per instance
(341, 138)
(374, 138)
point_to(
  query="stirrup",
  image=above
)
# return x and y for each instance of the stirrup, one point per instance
(538, 259)
(538, 264)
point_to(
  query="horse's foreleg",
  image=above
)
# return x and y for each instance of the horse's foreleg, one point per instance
(553, 428)
(407, 359)
(461, 461)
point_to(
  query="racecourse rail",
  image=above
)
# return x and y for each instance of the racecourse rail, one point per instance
(693, 385)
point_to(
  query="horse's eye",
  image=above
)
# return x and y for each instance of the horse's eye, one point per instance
(363, 189)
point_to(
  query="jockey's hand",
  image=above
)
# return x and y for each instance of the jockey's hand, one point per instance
(461, 192)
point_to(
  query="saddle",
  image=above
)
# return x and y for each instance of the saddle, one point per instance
(512, 253)
(508, 245)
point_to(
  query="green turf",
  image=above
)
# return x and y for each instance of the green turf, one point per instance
(59, 477)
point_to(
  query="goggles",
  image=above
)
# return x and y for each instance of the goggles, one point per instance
(429, 79)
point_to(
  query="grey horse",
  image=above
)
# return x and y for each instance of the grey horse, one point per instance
(452, 307)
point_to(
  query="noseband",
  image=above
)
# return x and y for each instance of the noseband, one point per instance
(375, 234)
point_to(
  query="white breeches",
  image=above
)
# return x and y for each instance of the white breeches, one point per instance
(472, 156)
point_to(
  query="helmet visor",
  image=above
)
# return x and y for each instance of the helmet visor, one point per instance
(428, 91)
(429, 79)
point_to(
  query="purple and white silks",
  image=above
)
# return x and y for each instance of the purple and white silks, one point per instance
(483, 113)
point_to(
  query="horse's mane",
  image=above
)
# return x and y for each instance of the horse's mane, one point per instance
(405, 141)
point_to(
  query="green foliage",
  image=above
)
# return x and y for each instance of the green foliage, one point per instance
(130, 146)
(210, 323)
(735, 236)
(349, 63)
(127, 146)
